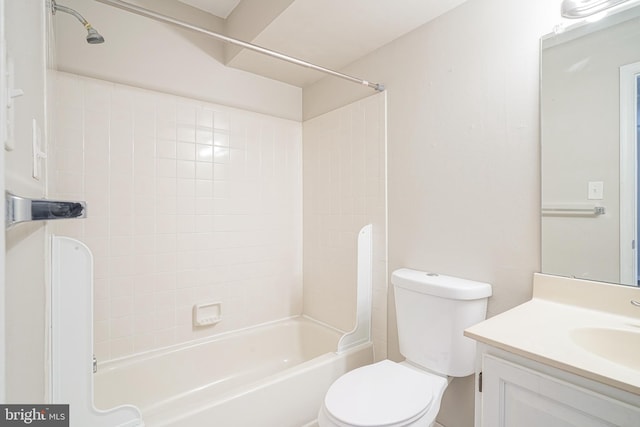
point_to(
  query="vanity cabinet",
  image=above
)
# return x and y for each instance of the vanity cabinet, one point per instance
(518, 392)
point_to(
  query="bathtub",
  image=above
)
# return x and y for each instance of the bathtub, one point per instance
(274, 374)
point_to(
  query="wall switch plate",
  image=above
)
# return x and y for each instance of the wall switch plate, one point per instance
(596, 190)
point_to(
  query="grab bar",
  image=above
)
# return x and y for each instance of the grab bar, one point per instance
(21, 209)
(579, 211)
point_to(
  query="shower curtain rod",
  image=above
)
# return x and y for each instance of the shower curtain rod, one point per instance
(168, 20)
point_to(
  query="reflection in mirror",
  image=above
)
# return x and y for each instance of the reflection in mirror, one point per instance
(589, 110)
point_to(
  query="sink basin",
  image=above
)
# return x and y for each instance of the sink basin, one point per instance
(620, 346)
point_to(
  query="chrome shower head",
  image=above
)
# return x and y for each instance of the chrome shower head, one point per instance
(93, 37)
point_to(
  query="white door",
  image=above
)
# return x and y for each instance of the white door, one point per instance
(3, 121)
(628, 173)
(24, 247)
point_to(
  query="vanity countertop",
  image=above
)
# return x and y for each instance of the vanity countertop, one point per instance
(587, 328)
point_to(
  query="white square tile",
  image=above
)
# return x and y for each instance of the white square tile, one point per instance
(204, 153)
(166, 149)
(100, 331)
(143, 342)
(101, 310)
(186, 224)
(186, 133)
(145, 264)
(186, 187)
(221, 139)
(143, 303)
(121, 212)
(205, 118)
(166, 282)
(186, 169)
(121, 347)
(221, 120)
(166, 337)
(72, 89)
(97, 96)
(143, 185)
(186, 151)
(144, 323)
(121, 307)
(121, 327)
(204, 136)
(121, 266)
(204, 171)
(166, 168)
(186, 113)
(204, 189)
(166, 224)
(166, 186)
(144, 244)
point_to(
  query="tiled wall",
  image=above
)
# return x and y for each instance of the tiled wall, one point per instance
(188, 202)
(345, 189)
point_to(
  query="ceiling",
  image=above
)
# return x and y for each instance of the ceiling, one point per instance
(219, 8)
(329, 33)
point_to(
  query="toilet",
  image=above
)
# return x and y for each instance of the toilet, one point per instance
(432, 312)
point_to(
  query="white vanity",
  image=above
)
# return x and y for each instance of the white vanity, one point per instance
(568, 357)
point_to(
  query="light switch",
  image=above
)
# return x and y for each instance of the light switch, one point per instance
(596, 190)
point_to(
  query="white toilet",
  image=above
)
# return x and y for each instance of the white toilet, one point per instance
(432, 312)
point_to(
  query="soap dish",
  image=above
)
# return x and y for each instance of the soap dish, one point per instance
(207, 314)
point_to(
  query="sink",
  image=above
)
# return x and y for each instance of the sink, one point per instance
(621, 346)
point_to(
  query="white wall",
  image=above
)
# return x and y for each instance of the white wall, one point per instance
(463, 149)
(144, 53)
(188, 203)
(344, 189)
(25, 244)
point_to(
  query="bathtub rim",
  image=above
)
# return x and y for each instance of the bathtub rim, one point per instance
(127, 360)
(356, 352)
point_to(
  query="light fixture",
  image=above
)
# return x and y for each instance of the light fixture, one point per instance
(575, 9)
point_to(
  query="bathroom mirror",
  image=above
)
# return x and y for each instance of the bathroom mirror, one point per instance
(589, 110)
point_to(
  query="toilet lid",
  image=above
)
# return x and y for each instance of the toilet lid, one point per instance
(382, 394)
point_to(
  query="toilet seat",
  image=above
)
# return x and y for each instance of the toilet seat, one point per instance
(385, 394)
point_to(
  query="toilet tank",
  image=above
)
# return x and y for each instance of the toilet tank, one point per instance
(432, 312)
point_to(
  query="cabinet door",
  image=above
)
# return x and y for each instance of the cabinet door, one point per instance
(514, 396)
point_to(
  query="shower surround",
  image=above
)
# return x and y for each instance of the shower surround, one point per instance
(191, 202)
(188, 202)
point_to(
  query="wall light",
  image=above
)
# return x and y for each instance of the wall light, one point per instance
(575, 9)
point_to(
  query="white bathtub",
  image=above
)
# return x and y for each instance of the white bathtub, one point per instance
(270, 375)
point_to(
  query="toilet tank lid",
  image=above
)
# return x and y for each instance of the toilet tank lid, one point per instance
(439, 285)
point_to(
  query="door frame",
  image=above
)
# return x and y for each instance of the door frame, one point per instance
(628, 173)
(3, 132)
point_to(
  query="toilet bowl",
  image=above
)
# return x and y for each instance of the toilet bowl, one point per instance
(385, 394)
(432, 313)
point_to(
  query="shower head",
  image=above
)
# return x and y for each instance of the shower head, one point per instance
(93, 37)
